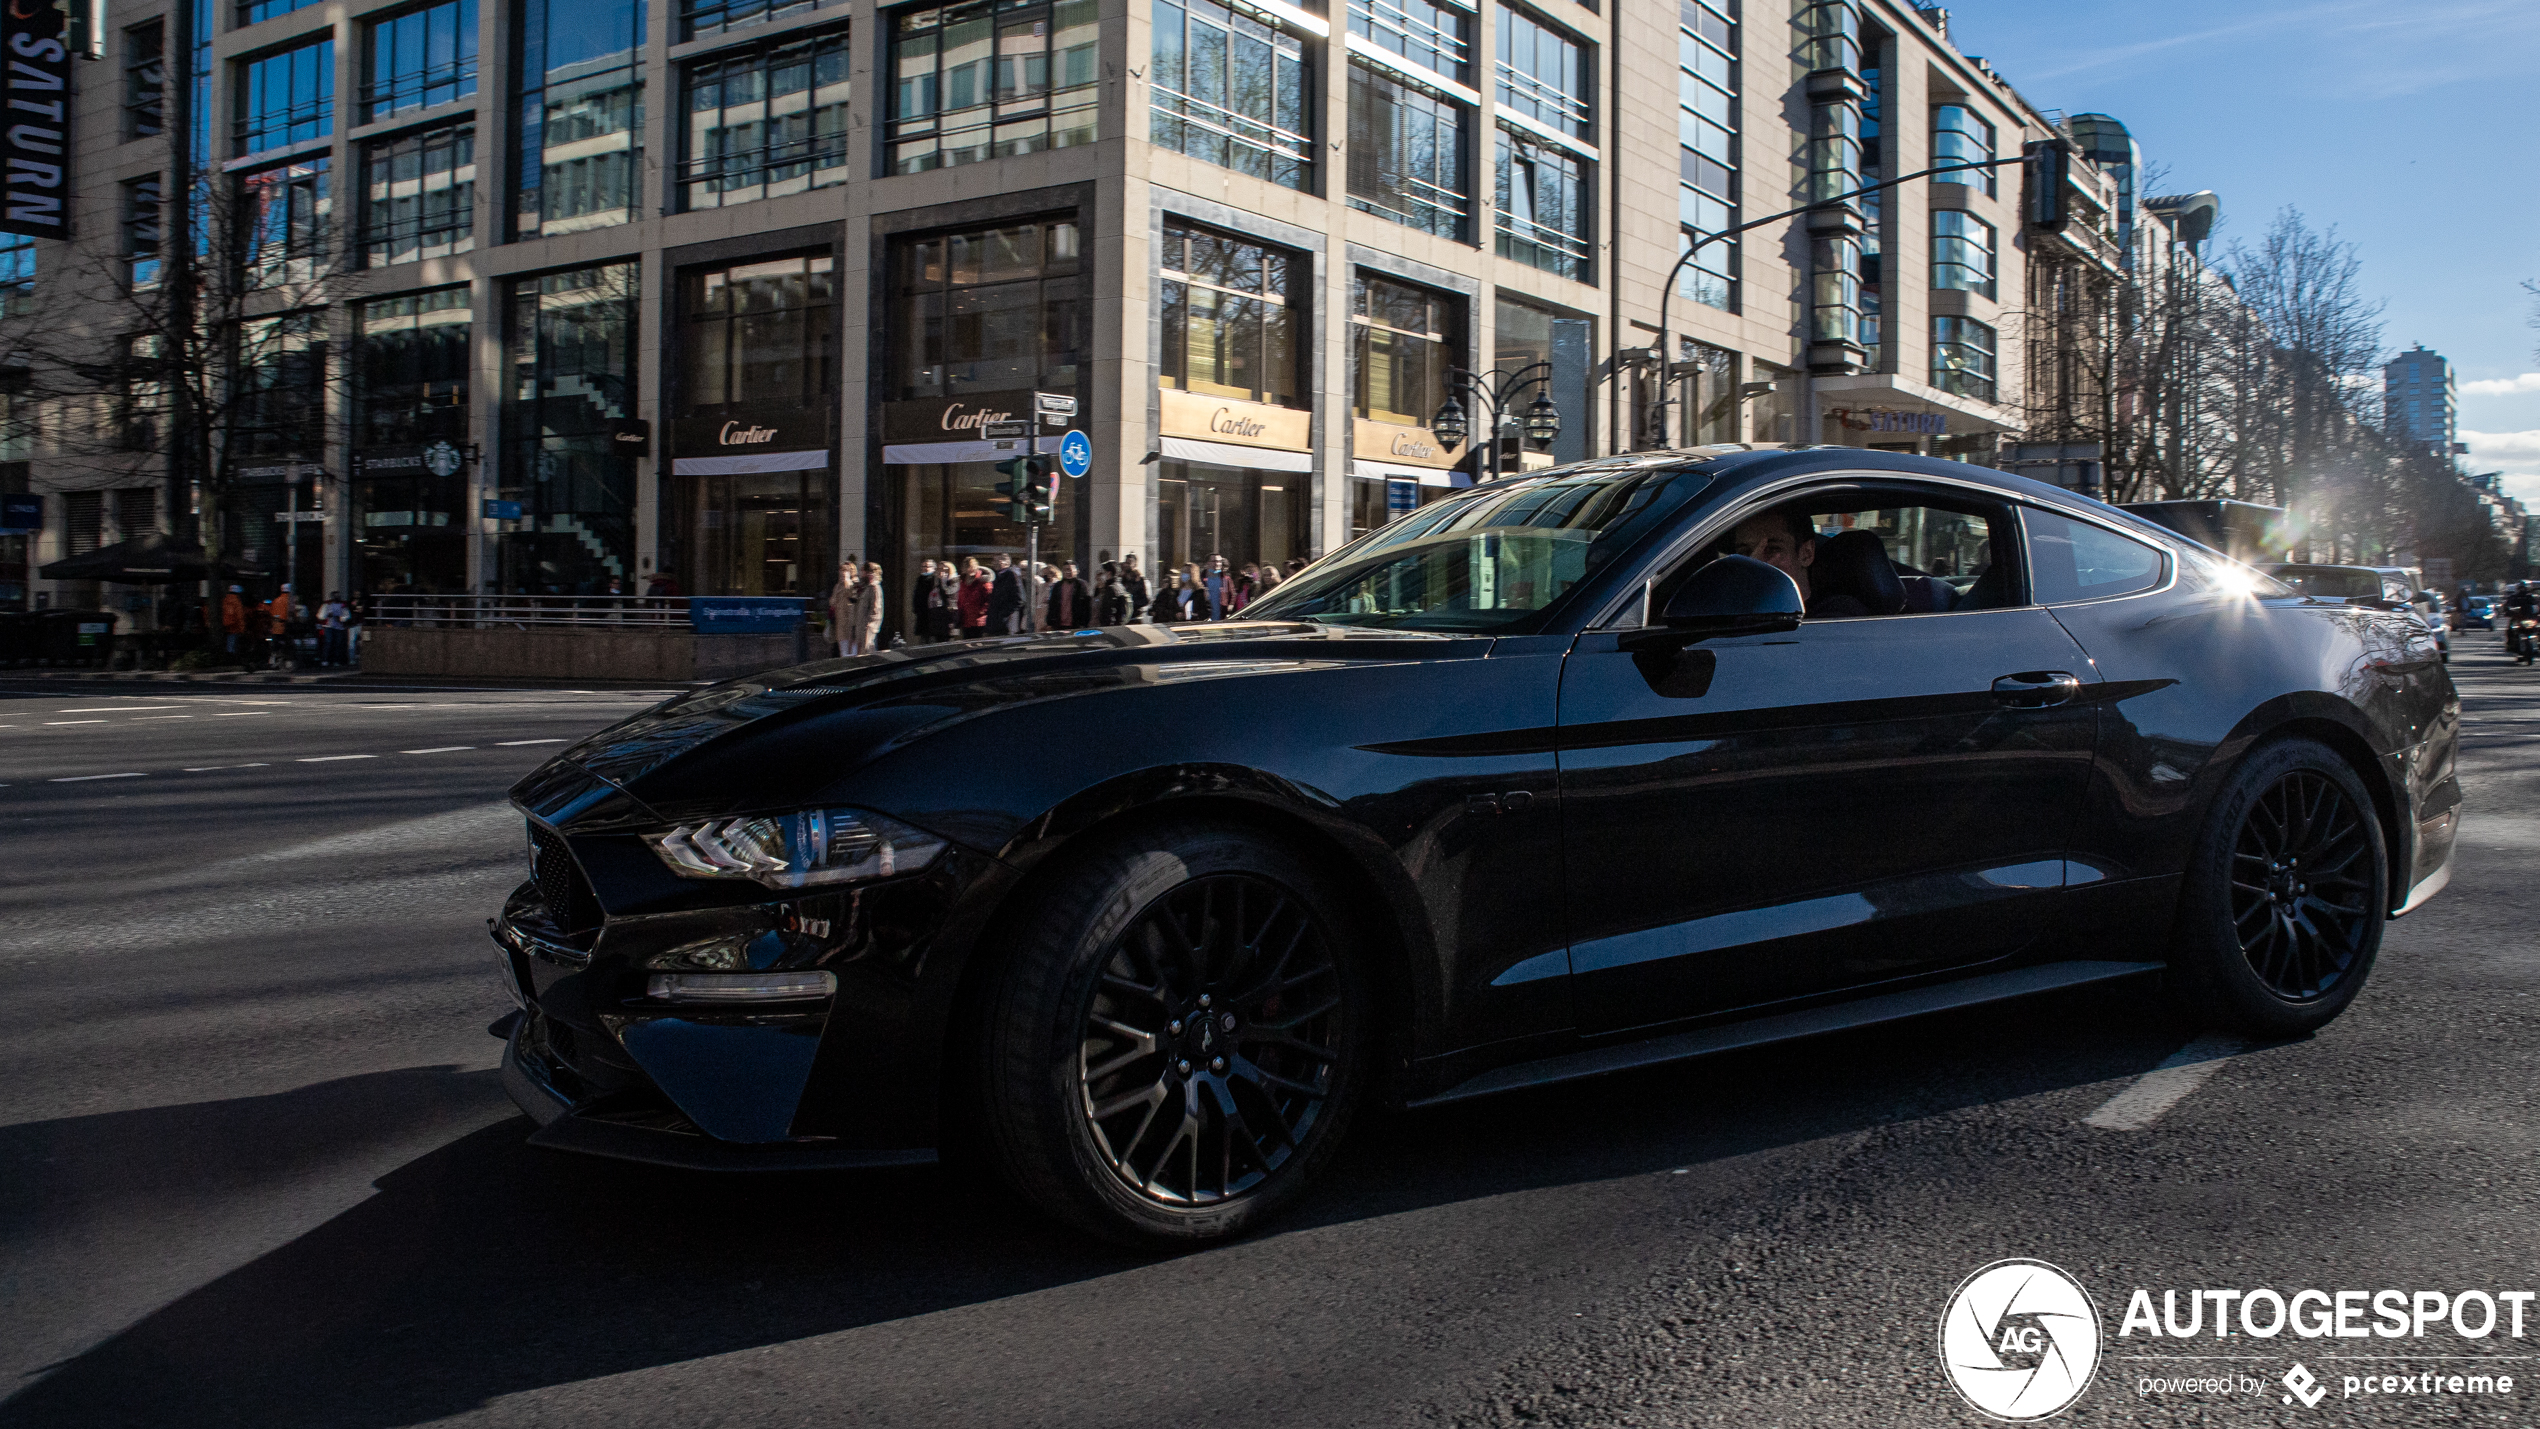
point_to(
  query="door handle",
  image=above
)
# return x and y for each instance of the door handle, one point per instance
(2037, 689)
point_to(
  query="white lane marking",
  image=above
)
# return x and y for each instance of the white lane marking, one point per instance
(145, 719)
(84, 778)
(438, 749)
(332, 758)
(2166, 1085)
(215, 768)
(509, 743)
(241, 714)
(120, 709)
(51, 722)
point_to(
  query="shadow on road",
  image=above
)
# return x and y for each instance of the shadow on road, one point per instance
(485, 1268)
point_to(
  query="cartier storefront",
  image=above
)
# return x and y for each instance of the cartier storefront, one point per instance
(1232, 482)
(753, 451)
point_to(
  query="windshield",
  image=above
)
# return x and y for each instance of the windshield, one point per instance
(2331, 582)
(1492, 560)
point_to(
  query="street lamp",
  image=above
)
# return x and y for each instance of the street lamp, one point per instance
(1496, 393)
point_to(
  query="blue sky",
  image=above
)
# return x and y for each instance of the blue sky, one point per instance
(2410, 126)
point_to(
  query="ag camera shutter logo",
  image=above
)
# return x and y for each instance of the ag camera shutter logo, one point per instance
(2020, 1340)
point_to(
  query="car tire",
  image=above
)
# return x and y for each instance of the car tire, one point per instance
(1114, 1094)
(2286, 894)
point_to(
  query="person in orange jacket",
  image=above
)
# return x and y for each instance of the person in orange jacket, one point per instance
(233, 619)
(278, 625)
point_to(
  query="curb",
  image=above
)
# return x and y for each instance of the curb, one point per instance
(186, 677)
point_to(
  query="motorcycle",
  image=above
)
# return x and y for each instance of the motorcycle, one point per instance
(2522, 636)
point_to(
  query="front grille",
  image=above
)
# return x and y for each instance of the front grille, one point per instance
(561, 886)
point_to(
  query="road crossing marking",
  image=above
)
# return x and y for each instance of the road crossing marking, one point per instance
(2165, 1086)
(332, 758)
(85, 778)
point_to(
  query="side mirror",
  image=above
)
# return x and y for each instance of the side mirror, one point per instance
(1733, 595)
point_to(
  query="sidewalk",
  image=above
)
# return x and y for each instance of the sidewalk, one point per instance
(232, 676)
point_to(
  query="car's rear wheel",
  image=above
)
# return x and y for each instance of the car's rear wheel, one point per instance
(2285, 899)
(1177, 1045)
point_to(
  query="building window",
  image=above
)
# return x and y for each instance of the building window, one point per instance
(1522, 335)
(145, 79)
(713, 17)
(145, 391)
(1433, 34)
(1834, 150)
(255, 10)
(1403, 339)
(1959, 135)
(419, 195)
(281, 404)
(570, 353)
(141, 220)
(1232, 87)
(421, 58)
(1962, 357)
(1406, 153)
(989, 311)
(283, 215)
(1232, 325)
(761, 333)
(985, 79)
(581, 115)
(1961, 252)
(1829, 36)
(1544, 206)
(286, 98)
(411, 358)
(1544, 75)
(1834, 290)
(766, 122)
(1876, 45)
(83, 521)
(1707, 157)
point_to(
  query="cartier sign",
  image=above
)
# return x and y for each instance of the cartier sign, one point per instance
(1389, 441)
(1243, 424)
(759, 429)
(952, 419)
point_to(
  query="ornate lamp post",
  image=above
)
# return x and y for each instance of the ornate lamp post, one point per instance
(1496, 393)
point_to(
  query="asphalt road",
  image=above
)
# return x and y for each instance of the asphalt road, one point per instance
(255, 1168)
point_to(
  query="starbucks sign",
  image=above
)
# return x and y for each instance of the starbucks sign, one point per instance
(442, 459)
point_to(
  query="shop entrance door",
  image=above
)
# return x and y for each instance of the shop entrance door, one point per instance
(763, 533)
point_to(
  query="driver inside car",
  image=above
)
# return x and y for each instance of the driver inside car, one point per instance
(1782, 537)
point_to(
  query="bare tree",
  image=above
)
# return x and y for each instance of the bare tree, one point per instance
(140, 368)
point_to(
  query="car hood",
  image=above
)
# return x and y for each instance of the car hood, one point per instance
(869, 704)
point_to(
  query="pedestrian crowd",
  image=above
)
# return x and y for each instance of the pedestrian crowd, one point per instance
(978, 599)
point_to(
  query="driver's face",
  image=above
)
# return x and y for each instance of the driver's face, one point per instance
(1767, 539)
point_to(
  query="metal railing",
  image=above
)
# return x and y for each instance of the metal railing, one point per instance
(479, 612)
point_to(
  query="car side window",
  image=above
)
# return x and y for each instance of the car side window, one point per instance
(2073, 560)
(1872, 550)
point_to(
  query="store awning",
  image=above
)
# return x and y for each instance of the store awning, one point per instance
(1229, 454)
(154, 559)
(949, 453)
(811, 460)
(1395, 471)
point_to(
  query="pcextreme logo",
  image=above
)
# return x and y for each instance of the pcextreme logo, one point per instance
(2020, 1340)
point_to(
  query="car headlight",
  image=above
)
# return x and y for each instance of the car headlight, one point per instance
(816, 846)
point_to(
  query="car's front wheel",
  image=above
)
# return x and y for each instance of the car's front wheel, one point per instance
(2286, 894)
(1177, 1044)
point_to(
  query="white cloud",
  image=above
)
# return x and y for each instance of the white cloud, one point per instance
(2502, 386)
(2511, 448)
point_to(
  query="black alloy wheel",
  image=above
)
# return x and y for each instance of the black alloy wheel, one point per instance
(2297, 887)
(2286, 894)
(1178, 1038)
(1208, 1043)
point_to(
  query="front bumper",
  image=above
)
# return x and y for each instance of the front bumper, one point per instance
(849, 1079)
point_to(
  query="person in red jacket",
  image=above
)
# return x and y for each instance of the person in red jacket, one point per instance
(970, 602)
(233, 619)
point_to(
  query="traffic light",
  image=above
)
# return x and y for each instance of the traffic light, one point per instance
(2049, 167)
(1025, 489)
(1040, 498)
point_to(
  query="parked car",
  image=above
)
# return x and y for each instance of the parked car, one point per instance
(1627, 761)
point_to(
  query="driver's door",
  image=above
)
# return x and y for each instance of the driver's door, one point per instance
(1773, 816)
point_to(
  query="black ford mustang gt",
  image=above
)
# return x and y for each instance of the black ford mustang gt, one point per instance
(1549, 778)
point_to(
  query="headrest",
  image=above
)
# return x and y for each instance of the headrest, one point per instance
(1855, 563)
